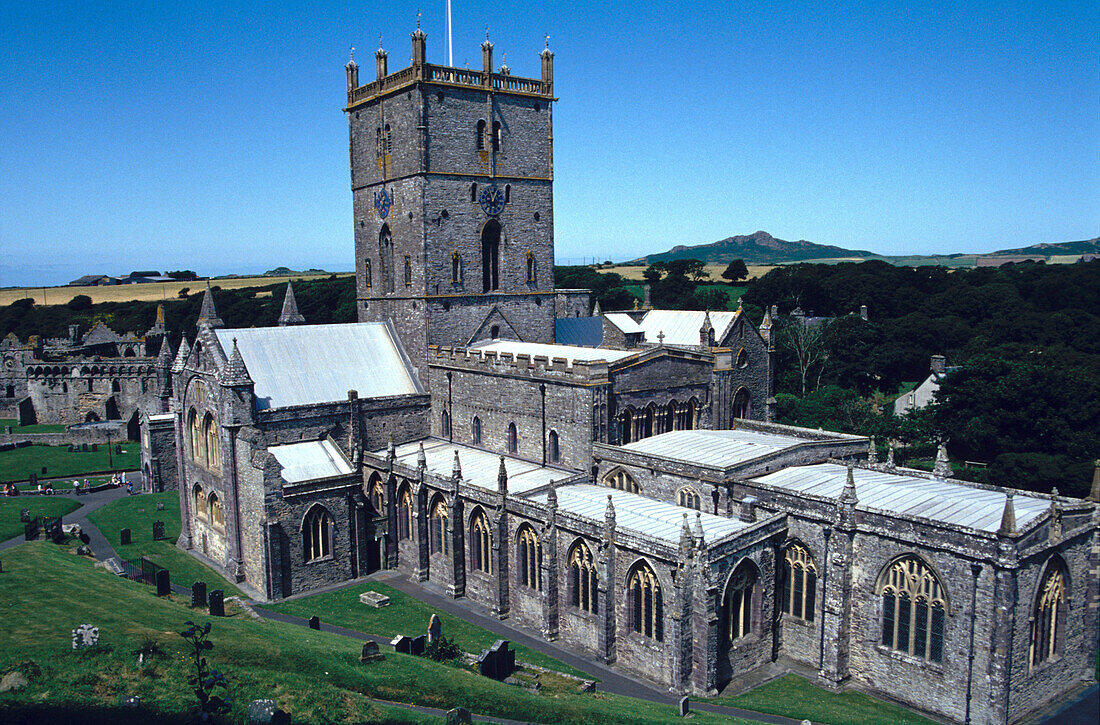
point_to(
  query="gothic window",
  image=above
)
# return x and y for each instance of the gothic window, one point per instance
(742, 359)
(317, 534)
(554, 450)
(626, 426)
(530, 266)
(213, 450)
(646, 603)
(913, 607)
(688, 498)
(388, 139)
(198, 441)
(366, 273)
(217, 516)
(473, 188)
(739, 601)
(621, 480)
(497, 136)
(481, 543)
(689, 414)
(440, 529)
(670, 416)
(385, 257)
(404, 513)
(198, 501)
(530, 558)
(490, 256)
(513, 438)
(456, 268)
(742, 403)
(376, 497)
(445, 424)
(475, 431)
(647, 421)
(480, 136)
(408, 271)
(583, 579)
(799, 583)
(1049, 616)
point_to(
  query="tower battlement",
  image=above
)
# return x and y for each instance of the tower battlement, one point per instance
(540, 366)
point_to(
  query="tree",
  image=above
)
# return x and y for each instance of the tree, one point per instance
(736, 271)
(184, 274)
(80, 303)
(806, 345)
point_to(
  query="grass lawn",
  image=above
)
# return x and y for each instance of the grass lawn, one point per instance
(37, 428)
(19, 464)
(11, 526)
(138, 513)
(794, 697)
(405, 615)
(315, 676)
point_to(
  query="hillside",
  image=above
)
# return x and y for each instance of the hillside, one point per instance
(757, 248)
(1088, 246)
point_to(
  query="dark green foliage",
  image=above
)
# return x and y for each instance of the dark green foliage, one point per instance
(675, 286)
(735, 271)
(182, 274)
(610, 289)
(442, 649)
(80, 303)
(205, 681)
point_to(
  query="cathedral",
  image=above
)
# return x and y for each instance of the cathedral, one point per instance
(610, 480)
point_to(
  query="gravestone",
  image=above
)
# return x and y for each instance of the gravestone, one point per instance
(435, 628)
(216, 604)
(164, 584)
(30, 530)
(684, 707)
(458, 716)
(1, 566)
(25, 515)
(95, 448)
(124, 537)
(401, 644)
(418, 644)
(118, 449)
(370, 652)
(374, 599)
(70, 448)
(33, 479)
(85, 636)
(198, 594)
(158, 531)
(160, 505)
(83, 550)
(85, 538)
(314, 622)
(505, 658)
(53, 530)
(83, 447)
(264, 712)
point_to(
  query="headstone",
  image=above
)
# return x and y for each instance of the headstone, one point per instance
(684, 707)
(217, 606)
(83, 550)
(485, 664)
(53, 530)
(198, 594)
(70, 448)
(83, 447)
(435, 628)
(25, 515)
(587, 686)
(13, 681)
(124, 537)
(401, 644)
(33, 479)
(314, 622)
(418, 644)
(85, 636)
(95, 448)
(504, 659)
(374, 599)
(370, 652)
(160, 505)
(164, 584)
(30, 530)
(1, 566)
(158, 531)
(264, 712)
(85, 538)
(458, 716)
(118, 449)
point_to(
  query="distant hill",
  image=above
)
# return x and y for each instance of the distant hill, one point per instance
(758, 248)
(1088, 246)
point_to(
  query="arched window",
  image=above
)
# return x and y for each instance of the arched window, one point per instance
(198, 440)
(626, 426)
(669, 415)
(530, 266)
(213, 450)
(739, 600)
(116, 387)
(913, 608)
(376, 496)
(688, 498)
(490, 256)
(742, 359)
(475, 431)
(366, 273)
(473, 187)
(646, 602)
(385, 257)
(217, 516)
(507, 193)
(481, 543)
(1048, 619)
(445, 424)
(456, 268)
(799, 583)
(408, 271)
(649, 417)
(404, 513)
(440, 530)
(530, 558)
(198, 502)
(497, 135)
(742, 403)
(481, 135)
(689, 418)
(388, 139)
(621, 480)
(494, 332)
(583, 579)
(513, 438)
(553, 449)
(317, 534)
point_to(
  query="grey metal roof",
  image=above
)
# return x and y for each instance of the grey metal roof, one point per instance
(583, 331)
(936, 499)
(718, 448)
(569, 352)
(309, 460)
(479, 467)
(624, 322)
(320, 363)
(635, 512)
(681, 327)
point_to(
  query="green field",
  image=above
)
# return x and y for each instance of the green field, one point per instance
(19, 464)
(11, 526)
(315, 676)
(794, 697)
(405, 615)
(138, 513)
(37, 428)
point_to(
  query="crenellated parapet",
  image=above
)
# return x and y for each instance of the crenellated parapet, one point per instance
(519, 364)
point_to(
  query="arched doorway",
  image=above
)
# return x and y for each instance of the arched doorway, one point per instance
(111, 409)
(742, 403)
(91, 417)
(385, 257)
(133, 427)
(490, 256)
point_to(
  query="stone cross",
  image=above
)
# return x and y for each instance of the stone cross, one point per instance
(85, 636)
(661, 337)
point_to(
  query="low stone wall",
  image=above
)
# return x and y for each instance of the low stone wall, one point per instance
(75, 436)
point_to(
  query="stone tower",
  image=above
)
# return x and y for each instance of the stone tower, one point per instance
(451, 176)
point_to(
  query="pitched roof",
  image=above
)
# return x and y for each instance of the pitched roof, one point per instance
(307, 364)
(310, 460)
(479, 467)
(582, 331)
(624, 322)
(718, 448)
(681, 327)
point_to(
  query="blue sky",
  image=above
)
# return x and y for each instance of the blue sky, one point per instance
(159, 135)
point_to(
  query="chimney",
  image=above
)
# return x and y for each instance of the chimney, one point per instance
(748, 509)
(939, 364)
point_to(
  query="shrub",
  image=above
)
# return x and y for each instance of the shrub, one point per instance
(442, 649)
